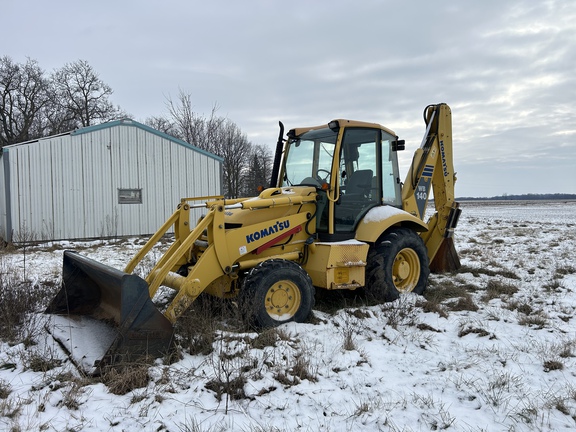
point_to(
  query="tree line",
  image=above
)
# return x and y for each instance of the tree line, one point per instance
(36, 104)
(523, 197)
(246, 166)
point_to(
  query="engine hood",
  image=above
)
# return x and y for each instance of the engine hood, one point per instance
(272, 204)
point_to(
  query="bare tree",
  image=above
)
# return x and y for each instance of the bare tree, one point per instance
(192, 127)
(33, 105)
(23, 96)
(234, 148)
(245, 167)
(58, 117)
(259, 170)
(80, 95)
(163, 124)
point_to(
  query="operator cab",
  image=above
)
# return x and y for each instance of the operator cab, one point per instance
(354, 167)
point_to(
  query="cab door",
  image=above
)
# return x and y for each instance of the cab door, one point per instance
(368, 176)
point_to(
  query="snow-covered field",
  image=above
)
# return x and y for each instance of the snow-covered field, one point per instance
(491, 348)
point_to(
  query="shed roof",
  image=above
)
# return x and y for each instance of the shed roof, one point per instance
(122, 122)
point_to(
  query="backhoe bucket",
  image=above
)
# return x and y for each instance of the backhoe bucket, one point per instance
(103, 316)
(446, 259)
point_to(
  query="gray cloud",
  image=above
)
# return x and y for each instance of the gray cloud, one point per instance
(505, 68)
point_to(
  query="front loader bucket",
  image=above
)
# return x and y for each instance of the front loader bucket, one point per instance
(446, 259)
(104, 316)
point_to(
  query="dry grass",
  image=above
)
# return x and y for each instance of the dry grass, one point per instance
(449, 295)
(523, 307)
(5, 389)
(474, 330)
(196, 330)
(233, 387)
(10, 409)
(123, 379)
(465, 303)
(552, 365)
(40, 361)
(232, 366)
(497, 288)
(331, 302)
(17, 299)
(477, 271)
(349, 342)
(445, 290)
(269, 338)
(538, 320)
(401, 313)
(240, 364)
(72, 395)
(298, 371)
(552, 286)
(564, 270)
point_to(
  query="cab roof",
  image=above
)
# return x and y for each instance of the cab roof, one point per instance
(341, 123)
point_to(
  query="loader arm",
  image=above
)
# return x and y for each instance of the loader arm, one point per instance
(227, 250)
(432, 168)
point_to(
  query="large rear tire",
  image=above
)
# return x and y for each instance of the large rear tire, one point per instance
(397, 264)
(276, 292)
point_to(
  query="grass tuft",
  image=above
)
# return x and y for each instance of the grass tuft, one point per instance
(40, 361)
(497, 289)
(124, 379)
(550, 365)
(552, 286)
(266, 338)
(449, 295)
(234, 387)
(537, 320)
(465, 303)
(477, 271)
(17, 300)
(565, 270)
(196, 329)
(521, 306)
(5, 389)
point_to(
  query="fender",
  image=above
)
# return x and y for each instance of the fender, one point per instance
(379, 219)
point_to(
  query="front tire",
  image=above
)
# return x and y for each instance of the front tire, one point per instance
(397, 264)
(276, 292)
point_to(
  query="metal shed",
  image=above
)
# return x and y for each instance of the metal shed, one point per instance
(120, 178)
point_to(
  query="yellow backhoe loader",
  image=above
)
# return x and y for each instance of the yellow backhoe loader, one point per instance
(336, 216)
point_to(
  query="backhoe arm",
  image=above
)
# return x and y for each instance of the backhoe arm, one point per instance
(432, 167)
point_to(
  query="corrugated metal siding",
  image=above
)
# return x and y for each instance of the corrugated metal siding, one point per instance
(3, 192)
(66, 187)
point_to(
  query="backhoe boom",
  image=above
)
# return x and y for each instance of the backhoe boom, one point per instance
(432, 168)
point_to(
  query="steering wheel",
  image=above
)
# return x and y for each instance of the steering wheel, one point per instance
(322, 170)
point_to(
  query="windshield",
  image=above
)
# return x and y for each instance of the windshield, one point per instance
(309, 158)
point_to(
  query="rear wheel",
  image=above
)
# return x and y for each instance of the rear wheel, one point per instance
(276, 292)
(397, 264)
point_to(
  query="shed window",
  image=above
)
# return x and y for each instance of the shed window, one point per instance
(129, 196)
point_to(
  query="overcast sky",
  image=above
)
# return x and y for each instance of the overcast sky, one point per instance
(506, 68)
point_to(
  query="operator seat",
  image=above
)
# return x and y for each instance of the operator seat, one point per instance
(354, 201)
(359, 183)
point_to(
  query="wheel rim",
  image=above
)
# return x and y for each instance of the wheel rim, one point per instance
(283, 300)
(406, 270)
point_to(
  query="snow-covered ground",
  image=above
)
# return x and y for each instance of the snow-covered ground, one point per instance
(497, 353)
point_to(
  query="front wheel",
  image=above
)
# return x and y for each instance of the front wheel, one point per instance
(276, 292)
(397, 264)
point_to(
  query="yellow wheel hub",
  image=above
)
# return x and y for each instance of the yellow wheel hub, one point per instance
(282, 300)
(406, 270)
